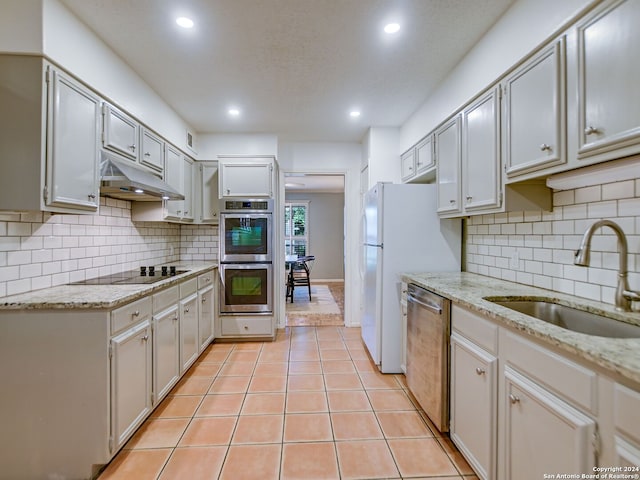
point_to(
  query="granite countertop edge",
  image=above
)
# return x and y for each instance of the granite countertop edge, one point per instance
(97, 297)
(619, 355)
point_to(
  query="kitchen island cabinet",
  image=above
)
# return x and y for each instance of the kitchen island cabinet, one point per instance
(83, 366)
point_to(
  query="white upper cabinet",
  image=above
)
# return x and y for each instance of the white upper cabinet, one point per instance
(534, 116)
(187, 178)
(72, 144)
(121, 132)
(425, 160)
(208, 192)
(608, 72)
(174, 176)
(152, 153)
(246, 177)
(447, 149)
(481, 154)
(408, 164)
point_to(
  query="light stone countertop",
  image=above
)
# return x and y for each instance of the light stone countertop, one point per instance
(97, 297)
(619, 355)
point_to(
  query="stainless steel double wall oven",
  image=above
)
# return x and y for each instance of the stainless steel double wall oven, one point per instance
(246, 255)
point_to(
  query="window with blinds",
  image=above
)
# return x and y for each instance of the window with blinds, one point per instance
(296, 228)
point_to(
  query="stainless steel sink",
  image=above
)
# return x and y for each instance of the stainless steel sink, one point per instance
(572, 318)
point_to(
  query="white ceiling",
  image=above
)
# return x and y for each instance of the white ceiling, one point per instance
(295, 68)
(305, 182)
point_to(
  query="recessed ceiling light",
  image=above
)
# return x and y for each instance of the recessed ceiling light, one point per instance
(184, 22)
(392, 28)
(354, 113)
(234, 112)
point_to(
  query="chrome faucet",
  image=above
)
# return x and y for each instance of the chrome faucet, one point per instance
(624, 295)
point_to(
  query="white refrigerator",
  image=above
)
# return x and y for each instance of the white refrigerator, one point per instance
(402, 233)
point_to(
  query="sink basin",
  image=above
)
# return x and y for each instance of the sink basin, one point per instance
(572, 318)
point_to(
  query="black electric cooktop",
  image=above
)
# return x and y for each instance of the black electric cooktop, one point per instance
(143, 275)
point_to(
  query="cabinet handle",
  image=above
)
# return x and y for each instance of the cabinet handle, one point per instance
(469, 197)
(246, 327)
(480, 371)
(590, 130)
(136, 313)
(513, 399)
(186, 310)
(410, 168)
(145, 338)
(452, 202)
(175, 318)
(178, 212)
(544, 147)
(91, 196)
(186, 212)
(147, 154)
(204, 299)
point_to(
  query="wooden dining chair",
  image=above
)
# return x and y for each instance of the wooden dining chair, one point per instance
(300, 275)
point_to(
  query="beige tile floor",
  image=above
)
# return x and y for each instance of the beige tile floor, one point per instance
(309, 405)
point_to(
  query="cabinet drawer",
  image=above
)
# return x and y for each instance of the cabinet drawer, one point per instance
(130, 314)
(165, 298)
(246, 326)
(475, 328)
(189, 287)
(205, 279)
(575, 382)
(626, 405)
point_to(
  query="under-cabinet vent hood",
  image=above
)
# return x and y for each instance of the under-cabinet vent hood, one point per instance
(119, 178)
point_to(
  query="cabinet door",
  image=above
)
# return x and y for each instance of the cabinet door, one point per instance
(246, 179)
(534, 112)
(187, 175)
(408, 164)
(120, 132)
(166, 352)
(130, 381)
(205, 317)
(474, 405)
(609, 104)
(481, 154)
(72, 144)
(189, 345)
(533, 416)
(209, 192)
(173, 175)
(424, 155)
(152, 154)
(447, 139)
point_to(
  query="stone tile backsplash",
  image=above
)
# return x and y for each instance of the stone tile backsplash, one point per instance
(537, 248)
(40, 250)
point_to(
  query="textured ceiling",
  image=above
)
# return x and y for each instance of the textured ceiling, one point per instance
(294, 67)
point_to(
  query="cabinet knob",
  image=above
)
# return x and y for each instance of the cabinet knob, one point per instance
(544, 147)
(452, 202)
(178, 212)
(91, 196)
(410, 168)
(246, 327)
(513, 399)
(469, 197)
(175, 318)
(136, 313)
(186, 212)
(132, 148)
(228, 191)
(214, 214)
(591, 130)
(145, 338)
(480, 371)
(147, 154)
(186, 310)
(204, 299)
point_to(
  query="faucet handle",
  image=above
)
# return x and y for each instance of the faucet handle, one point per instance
(631, 295)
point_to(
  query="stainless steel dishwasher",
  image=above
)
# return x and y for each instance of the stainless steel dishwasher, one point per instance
(428, 331)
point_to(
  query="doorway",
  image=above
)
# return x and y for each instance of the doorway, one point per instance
(315, 219)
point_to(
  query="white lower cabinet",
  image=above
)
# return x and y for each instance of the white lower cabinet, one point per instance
(474, 404)
(131, 369)
(189, 344)
(206, 307)
(544, 434)
(166, 352)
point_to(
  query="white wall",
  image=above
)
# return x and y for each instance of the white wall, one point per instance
(523, 27)
(326, 233)
(210, 145)
(47, 27)
(21, 26)
(342, 158)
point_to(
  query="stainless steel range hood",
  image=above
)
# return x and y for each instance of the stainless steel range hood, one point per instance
(120, 178)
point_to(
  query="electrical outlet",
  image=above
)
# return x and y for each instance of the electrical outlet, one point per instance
(514, 263)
